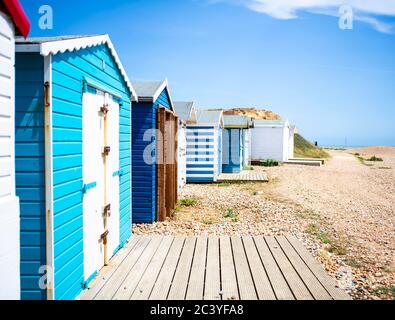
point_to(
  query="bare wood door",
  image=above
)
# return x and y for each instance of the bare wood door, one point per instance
(167, 177)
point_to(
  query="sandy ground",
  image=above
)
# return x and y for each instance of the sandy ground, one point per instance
(343, 212)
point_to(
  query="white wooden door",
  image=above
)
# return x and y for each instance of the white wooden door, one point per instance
(93, 179)
(113, 174)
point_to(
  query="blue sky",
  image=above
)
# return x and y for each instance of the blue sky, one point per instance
(291, 59)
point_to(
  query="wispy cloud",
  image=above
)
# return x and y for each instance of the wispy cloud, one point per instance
(366, 11)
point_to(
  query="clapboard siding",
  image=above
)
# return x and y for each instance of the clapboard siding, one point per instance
(68, 72)
(7, 175)
(143, 173)
(30, 170)
(9, 204)
(202, 154)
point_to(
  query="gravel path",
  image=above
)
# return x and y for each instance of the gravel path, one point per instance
(343, 212)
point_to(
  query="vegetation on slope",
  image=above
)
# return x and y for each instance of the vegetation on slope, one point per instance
(257, 114)
(305, 149)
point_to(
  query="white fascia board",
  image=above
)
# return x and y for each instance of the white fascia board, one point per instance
(61, 46)
(163, 86)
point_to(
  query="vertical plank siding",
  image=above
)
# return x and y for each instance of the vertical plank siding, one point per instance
(232, 151)
(69, 70)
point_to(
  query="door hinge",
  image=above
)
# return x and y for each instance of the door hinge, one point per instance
(106, 151)
(104, 236)
(107, 210)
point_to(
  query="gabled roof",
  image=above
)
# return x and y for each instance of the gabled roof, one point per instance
(233, 121)
(18, 15)
(149, 91)
(208, 117)
(184, 109)
(54, 45)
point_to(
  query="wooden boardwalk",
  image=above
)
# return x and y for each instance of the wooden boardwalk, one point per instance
(246, 175)
(214, 268)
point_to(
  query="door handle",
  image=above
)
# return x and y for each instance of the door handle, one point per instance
(88, 186)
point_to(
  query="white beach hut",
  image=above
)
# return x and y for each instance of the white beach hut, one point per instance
(272, 139)
(12, 21)
(186, 112)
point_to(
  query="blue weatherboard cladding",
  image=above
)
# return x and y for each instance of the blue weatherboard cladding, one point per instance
(144, 174)
(201, 154)
(30, 170)
(68, 72)
(232, 151)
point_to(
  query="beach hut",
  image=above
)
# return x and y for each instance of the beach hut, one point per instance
(73, 156)
(204, 146)
(271, 139)
(13, 21)
(235, 143)
(186, 113)
(154, 158)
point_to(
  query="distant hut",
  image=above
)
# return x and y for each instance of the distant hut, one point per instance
(272, 139)
(236, 143)
(186, 112)
(204, 146)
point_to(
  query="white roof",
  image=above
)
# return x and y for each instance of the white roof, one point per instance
(184, 109)
(54, 45)
(271, 123)
(210, 117)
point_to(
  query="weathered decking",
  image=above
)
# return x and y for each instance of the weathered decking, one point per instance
(245, 268)
(246, 175)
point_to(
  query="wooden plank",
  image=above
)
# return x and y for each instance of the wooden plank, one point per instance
(163, 283)
(161, 170)
(112, 285)
(328, 282)
(261, 280)
(280, 286)
(311, 282)
(196, 280)
(295, 283)
(229, 287)
(106, 272)
(176, 161)
(180, 282)
(148, 280)
(130, 283)
(244, 277)
(168, 159)
(212, 284)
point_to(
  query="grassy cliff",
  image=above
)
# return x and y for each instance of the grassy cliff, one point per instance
(305, 149)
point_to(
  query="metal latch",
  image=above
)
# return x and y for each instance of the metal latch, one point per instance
(107, 210)
(104, 109)
(106, 150)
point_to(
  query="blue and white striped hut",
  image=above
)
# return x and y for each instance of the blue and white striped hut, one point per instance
(204, 146)
(236, 151)
(73, 156)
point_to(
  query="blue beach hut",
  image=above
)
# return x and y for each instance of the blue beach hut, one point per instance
(154, 145)
(73, 156)
(235, 145)
(204, 147)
